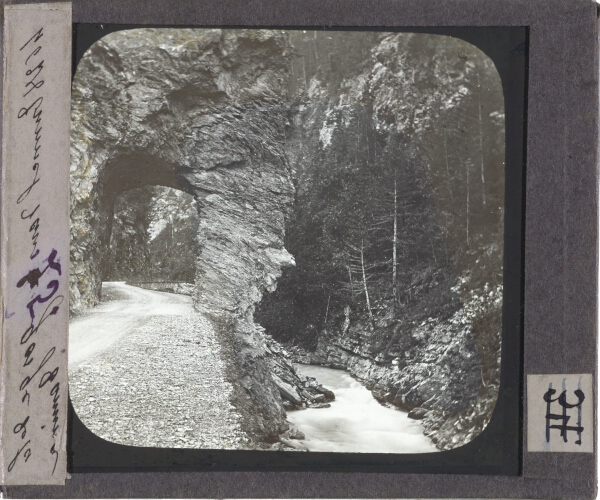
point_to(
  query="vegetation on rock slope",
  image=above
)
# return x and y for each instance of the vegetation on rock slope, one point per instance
(397, 229)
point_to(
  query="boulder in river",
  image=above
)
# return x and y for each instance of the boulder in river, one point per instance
(306, 390)
(320, 405)
(296, 434)
(287, 391)
(417, 413)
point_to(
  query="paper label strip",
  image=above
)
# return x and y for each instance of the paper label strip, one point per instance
(35, 243)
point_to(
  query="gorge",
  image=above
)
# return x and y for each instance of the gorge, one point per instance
(348, 190)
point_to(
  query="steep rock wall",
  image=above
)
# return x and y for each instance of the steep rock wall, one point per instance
(201, 111)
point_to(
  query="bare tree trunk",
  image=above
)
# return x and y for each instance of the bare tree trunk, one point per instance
(327, 310)
(304, 73)
(481, 141)
(468, 195)
(362, 263)
(394, 257)
(346, 324)
(447, 165)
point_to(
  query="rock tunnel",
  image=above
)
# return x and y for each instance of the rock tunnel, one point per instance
(210, 124)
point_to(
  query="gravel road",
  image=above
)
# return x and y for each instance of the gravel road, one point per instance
(147, 370)
(130, 307)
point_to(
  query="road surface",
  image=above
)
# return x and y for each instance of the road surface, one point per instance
(102, 326)
(145, 369)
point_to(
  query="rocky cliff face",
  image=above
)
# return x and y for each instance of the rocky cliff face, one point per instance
(200, 111)
(269, 130)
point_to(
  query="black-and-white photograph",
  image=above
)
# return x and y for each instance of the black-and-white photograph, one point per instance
(286, 240)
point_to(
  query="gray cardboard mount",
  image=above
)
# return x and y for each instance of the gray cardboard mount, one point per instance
(561, 234)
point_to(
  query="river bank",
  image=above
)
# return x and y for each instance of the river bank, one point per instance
(355, 422)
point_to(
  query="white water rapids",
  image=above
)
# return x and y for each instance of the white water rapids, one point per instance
(356, 422)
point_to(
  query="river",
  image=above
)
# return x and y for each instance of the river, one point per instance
(356, 422)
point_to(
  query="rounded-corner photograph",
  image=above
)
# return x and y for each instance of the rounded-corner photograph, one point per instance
(287, 240)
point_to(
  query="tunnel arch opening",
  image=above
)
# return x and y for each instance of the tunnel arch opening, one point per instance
(153, 238)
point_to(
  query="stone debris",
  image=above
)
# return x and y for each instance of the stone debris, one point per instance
(162, 386)
(297, 391)
(287, 391)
